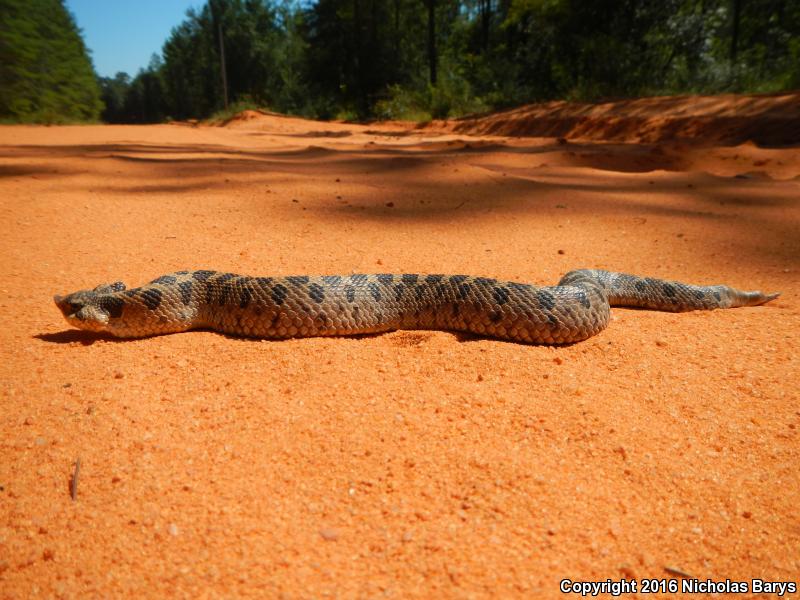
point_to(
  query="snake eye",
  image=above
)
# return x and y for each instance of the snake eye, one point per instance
(75, 306)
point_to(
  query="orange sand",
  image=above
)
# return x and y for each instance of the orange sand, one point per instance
(411, 464)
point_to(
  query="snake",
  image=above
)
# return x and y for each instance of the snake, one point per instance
(334, 305)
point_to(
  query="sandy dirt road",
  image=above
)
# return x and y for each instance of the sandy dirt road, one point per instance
(410, 464)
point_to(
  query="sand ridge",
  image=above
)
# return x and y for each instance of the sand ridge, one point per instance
(410, 464)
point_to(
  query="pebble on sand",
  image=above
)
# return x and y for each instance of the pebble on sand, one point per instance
(329, 534)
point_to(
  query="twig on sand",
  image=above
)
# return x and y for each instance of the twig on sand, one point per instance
(73, 484)
(678, 572)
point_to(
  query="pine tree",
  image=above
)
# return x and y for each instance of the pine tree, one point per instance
(46, 74)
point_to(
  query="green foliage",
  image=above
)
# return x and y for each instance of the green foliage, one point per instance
(292, 95)
(46, 74)
(113, 92)
(223, 115)
(404, 104)
(145, 101)
(357, 59)
(451, 97)
(353, 49)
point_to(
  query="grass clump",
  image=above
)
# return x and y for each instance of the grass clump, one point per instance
(226, 114)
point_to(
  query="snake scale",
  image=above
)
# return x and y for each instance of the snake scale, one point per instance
(303, 306)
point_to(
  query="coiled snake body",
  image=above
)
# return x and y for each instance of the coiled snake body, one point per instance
(301, 306)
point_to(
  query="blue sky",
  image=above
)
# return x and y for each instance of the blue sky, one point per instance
(123, 34)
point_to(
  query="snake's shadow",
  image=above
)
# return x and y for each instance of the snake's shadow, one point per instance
(87, 338)
(72, 336)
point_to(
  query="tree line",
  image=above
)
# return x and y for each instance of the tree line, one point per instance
(423, 59)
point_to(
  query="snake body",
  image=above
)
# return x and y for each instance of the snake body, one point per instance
(303, 306)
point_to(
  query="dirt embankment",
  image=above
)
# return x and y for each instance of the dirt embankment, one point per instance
(729, 120)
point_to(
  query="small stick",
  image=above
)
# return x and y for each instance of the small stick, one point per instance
(678, 572)
(73, 484)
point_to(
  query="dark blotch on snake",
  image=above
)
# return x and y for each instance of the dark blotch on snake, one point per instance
(185, 288)
(458, 279)
(717, 296)
(669, 290)
(420, 291)
(385, 279)
(464, 290)
(225, 277)
(699, 294)
(332, 279)
(485, 281)
(350, 292)
(165, 279)
(224, 293)
(546, 299)
(640, 285)
(500, 295)
(279, 294)
(264, 282)
(410, 278)
(398, 291)
(246, 297)
(151, 298)
(298, 279)
(316, 293)
(358, 279)
(112, 305)
(202, 275)
(495, 316)
(434, 278)
(374, 290)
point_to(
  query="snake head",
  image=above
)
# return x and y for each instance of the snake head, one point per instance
(94, 309)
